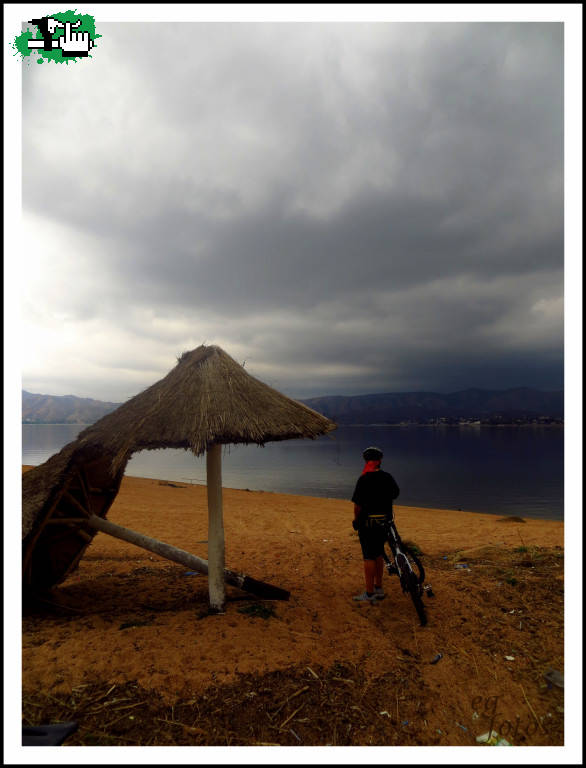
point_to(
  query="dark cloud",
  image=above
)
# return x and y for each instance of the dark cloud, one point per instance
(353, 207)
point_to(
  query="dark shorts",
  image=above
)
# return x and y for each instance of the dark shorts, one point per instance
(372, 539)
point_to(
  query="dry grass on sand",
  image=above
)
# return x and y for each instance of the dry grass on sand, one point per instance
(126, 648)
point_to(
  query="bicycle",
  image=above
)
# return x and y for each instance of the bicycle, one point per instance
(402, 560)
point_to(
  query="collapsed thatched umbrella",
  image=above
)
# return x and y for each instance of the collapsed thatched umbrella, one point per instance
(205, 401)
(58, 497)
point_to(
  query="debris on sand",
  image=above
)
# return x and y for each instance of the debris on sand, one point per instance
(554, 677)
(492, 740)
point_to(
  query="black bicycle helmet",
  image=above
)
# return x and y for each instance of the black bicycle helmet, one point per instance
(372, 454)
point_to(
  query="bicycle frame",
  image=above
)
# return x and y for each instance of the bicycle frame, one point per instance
(402, 563)
(411, 582)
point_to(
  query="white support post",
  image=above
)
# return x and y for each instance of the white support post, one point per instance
(216, 555)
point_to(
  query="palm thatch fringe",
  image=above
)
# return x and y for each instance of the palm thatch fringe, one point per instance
(207, 399)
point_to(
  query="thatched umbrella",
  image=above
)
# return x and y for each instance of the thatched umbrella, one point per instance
(205, 401)
(57, 499)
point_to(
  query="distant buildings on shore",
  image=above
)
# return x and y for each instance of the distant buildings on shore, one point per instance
(491, 421)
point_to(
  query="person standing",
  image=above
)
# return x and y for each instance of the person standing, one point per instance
(373, 502)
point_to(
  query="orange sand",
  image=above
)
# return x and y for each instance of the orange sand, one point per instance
(509, 603)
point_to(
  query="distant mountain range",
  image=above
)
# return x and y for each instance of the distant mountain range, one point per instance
(521, 405)
(66, 409)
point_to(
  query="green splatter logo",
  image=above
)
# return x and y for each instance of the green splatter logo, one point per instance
(60, 37)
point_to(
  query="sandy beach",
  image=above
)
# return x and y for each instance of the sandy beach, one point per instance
(125, 645)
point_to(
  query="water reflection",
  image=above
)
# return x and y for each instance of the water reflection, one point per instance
(514, 471)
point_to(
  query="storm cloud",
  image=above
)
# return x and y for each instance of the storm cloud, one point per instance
(346, 208)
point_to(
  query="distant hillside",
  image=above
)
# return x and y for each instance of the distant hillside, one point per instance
(66, 409)
(487, 406)
(520, 405)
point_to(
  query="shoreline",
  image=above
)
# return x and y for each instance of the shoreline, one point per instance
(434, 529)
(462, 424)
(342, 499)
(339, 500)
(375, 424)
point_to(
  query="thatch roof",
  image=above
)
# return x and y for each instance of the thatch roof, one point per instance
(56, 498)
(206, 399)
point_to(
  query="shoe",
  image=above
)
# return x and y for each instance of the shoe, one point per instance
(379, 593)
(365, 597)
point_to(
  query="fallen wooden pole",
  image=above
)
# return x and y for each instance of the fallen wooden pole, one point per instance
(240, 580)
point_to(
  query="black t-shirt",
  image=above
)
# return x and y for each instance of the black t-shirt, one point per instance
(374, 493)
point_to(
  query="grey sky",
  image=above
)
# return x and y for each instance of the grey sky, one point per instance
(348, 208)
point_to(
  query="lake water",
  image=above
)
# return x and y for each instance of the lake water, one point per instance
(500, 470)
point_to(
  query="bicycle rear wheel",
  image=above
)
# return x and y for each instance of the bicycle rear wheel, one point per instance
(415, 595)
(414, 560)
